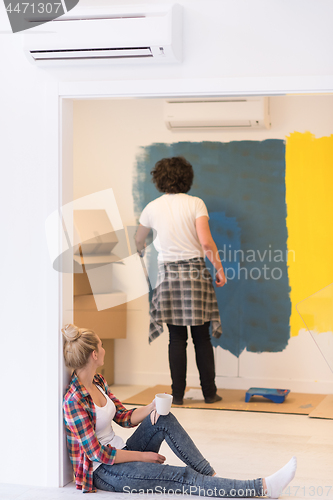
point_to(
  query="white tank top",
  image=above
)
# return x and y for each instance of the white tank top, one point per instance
(104, 431)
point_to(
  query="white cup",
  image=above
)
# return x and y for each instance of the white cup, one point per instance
(163, 403)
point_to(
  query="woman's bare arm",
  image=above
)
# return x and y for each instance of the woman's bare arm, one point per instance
(210, 248)
(123, 456)
(137, 416)
(141, 413)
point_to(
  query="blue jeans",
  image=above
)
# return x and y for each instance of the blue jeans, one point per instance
(194, 479)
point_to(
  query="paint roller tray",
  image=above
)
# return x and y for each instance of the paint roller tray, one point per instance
(275, 395)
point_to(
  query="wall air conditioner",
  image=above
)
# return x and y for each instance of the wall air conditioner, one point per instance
(152, 33)
(220, 113)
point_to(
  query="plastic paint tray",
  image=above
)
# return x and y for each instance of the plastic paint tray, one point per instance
(275, 395)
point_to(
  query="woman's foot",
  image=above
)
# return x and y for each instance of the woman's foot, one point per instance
(277, 482)
(214, 399)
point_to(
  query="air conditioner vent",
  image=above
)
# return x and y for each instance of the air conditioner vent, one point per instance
(213, 114)
(154, 35)
(91, 53)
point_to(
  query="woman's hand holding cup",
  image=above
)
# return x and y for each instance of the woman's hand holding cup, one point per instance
(162, 404)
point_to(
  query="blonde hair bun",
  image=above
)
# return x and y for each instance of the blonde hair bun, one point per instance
(79, 343)
(71, 332)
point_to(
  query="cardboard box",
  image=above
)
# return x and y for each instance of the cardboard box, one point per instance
(96, 276)
(94, 239)
(107, 370)
(94, 232)
(107, 323)
(81, 284)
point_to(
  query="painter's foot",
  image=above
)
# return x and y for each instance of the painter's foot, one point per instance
(214, 399)
(177, 401)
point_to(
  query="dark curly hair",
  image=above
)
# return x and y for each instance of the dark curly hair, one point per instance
(173, 175)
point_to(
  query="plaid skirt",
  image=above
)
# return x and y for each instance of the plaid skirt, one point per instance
(184, 295)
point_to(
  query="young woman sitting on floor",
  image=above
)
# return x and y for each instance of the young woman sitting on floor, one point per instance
(102, 460)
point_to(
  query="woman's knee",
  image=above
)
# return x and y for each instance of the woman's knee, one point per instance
(168, 419)
(155, 417)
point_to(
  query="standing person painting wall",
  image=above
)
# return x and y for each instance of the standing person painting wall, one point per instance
(184, 294)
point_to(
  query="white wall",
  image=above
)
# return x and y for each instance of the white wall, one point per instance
(108, 135)
(29, 287)
(286, 46)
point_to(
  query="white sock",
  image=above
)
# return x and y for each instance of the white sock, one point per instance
(277, 482)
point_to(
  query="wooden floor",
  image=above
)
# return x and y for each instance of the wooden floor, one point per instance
(239, 445)
(295, 403)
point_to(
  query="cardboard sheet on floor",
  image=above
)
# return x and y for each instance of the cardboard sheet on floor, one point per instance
(296, 403)
(324, 409)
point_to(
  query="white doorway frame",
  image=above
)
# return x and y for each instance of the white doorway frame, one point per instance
(68, 92)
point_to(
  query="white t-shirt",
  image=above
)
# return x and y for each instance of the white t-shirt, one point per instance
(173, 217)
(104, 432)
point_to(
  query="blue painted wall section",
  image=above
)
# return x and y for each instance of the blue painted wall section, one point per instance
(243, 186)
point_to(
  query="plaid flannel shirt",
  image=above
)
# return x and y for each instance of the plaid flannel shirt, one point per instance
(80, 423)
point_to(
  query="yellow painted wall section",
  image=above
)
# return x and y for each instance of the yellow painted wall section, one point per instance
(309, 198)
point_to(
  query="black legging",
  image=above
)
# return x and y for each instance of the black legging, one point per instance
(203, 354)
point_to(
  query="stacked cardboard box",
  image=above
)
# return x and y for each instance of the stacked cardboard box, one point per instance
(95, 240)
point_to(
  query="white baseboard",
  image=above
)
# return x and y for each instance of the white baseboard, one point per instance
(241, 383)
(303, 386)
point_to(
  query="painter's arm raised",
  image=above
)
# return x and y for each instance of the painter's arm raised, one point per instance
(140, 237)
